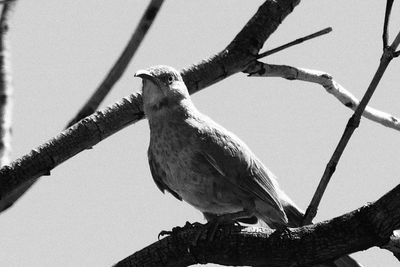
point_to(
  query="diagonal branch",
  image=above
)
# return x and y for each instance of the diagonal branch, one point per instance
(352, 124)
(112, 77)
(260, 69)
(89, 131)
(121, 64)
(368, 226)
(295, 42)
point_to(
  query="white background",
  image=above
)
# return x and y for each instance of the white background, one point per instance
(102, 205)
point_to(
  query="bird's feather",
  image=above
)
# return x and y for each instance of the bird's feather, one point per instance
(159, 175)
(231, 158)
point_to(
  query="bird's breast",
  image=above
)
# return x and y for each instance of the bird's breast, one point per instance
(174, 147)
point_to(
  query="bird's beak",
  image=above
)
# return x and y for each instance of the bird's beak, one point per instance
(145, 74)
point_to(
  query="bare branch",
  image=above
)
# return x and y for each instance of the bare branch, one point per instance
(5, 85)
(295, 42)
(352, 124)
(5, 93)
(80, 136)
(385, 35)
(112, 77)
(89, 131)
(260, 69)
(368, 226)
(121, 64)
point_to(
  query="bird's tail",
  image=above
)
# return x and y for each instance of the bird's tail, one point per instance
(295, 217)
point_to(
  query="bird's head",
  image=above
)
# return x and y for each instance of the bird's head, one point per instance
(163, 87)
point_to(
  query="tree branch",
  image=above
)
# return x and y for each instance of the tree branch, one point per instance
(332, 87)
(385, 35)
(352, 124)
(5, 85)
(91, 130)
(295, 42)
(105, 87)
(5, 93)
(121, 64)
(368, 226)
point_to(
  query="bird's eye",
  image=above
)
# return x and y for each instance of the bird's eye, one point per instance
(170, 79)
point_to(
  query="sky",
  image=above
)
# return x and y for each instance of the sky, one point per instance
(102, 205)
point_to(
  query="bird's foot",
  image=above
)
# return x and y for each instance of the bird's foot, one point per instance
(284, 230)
(174, 231)
(209, 230)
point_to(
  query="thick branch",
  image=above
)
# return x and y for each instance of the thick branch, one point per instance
(371, 225)
(88, 132)
(260, 69)
(81, 136)
(242, 50)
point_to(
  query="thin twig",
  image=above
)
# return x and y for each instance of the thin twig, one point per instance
(295, 42)
(385, 35)
(121, 64)
(352, 124)
(331, 86)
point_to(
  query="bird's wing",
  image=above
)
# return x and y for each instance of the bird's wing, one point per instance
(255, 181)
(158, 175)
(230, 157)
(260, 181)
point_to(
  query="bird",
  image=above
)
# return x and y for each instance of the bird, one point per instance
(200, 162)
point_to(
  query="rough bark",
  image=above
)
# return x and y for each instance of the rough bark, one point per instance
(368, 226)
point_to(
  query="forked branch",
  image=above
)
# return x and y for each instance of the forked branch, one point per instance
(354, 121)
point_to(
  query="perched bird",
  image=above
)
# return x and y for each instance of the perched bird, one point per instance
(198, 161)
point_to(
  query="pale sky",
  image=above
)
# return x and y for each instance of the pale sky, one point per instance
(102, 205)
